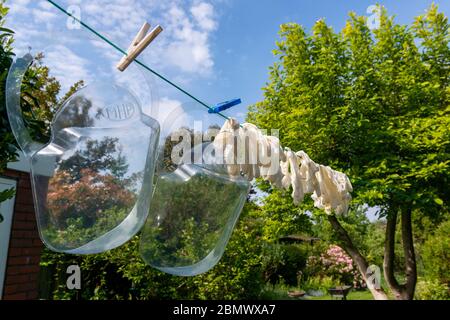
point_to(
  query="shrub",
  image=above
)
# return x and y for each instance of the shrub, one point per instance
(322, 283)
(334, 263)
(436, 254)
(284, 262)
(431, 290)
(122, 274)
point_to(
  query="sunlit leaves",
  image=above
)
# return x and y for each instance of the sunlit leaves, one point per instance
(372, 104)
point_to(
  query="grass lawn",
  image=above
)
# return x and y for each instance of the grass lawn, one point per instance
(353, 295)
(280, 293)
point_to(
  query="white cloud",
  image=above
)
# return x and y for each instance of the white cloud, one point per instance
(42, 15)
(182, 51)
(18, 6)
(170, 115)
(190, 48)
(67, 66)
(204, 15)
(184, 44)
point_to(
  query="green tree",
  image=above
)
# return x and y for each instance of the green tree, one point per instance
(39, 99)
(7, 149)
(375, 106)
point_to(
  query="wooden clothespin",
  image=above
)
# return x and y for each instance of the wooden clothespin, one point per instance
(140, 42)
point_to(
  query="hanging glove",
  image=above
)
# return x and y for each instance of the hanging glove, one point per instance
(284, 165)
(225, 146)
(273, 173)
(297, 189)
(257, 155)
(307, 172)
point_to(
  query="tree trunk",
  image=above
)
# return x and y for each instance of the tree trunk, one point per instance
(389, 255)
(406, 291)
(410, 257)
(354, 253)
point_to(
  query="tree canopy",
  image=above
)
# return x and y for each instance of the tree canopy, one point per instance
(374, 105)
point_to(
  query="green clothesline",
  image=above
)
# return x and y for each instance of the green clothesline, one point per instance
(136, 60)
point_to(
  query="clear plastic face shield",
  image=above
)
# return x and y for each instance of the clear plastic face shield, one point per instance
(93, 181)
(196, 202)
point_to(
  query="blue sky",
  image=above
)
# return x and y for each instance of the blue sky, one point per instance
(252, 26)
(215, 49)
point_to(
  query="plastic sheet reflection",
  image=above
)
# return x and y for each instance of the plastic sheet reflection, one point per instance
(192, 215)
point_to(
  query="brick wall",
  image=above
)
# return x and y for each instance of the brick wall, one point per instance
(25, 247)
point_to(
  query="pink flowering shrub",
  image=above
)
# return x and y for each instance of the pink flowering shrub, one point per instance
(337, 264)
(336, 259)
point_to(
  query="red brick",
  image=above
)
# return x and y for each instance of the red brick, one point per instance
(32, 295)
(35, 260)
(10, 289)
(20, 287)
(34, 276)
(36, 251)
(14, 261)
(21, 225)
(24, 196)
(23, 260)
(25, 287)
(25, 248)
(37, 243)
(14, 252)
(25, 234)
(20, 243)
(24, 183)
(30, 269)
(13, 270)
(17, 279)
(31, 217)
(24, 216)
(21, 216)
(16, 296)
(21, 207)
(12, 173)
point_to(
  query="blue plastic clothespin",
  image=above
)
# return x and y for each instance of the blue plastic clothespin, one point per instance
(224, 105)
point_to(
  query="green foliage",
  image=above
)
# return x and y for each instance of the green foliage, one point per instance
(374, 106)
(39, 99)
(7, 149)
(122, 274)
(322, 283)
(281, 217)
(284, 262)
(355, 222)
(431, 290)
(435, 254)
(374, 243)
(189, 218)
